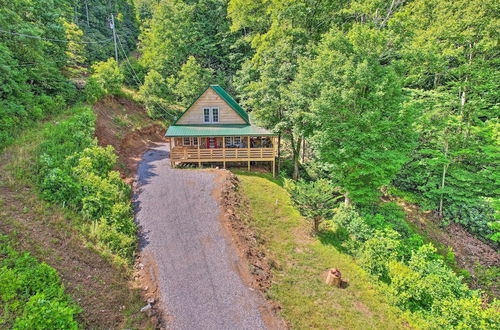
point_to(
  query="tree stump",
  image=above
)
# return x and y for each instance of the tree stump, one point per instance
(334, 278)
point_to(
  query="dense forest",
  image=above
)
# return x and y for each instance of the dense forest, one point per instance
(369, 98)
(378, 93)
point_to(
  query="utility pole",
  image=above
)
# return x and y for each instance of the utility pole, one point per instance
(112, 26)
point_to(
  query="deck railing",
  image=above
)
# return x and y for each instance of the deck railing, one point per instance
(184, 154)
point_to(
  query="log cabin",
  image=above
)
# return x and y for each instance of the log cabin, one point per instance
(216, 129)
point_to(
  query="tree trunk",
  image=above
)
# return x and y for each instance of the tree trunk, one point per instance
(279, 153)
(303, 150)
(347, 200)
(296, 156)
(443, 177)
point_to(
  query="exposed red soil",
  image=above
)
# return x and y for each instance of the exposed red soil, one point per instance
(129, 142)
(255, 268)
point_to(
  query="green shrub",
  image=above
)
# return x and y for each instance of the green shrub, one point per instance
(356, 228)
(465, 313)
(378, 251)
(96, 160)
(108, 76)
(73, 171)
(32, 295)
(93, 91)
(425, 281)
(43, 313)
(133, 77)
(121, 244)
(59, 186)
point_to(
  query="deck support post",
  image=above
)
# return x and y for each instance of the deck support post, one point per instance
(224, 152)
(248, 152)
(274, 168)
(199, 162)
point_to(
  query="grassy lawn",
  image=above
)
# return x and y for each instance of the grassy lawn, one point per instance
(300, 262)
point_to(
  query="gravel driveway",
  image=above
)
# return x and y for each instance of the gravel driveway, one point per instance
(196, 266)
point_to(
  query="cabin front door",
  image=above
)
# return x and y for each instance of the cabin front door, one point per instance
(212, 142)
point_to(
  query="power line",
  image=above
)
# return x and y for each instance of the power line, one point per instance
(55, 40)
(137, 80)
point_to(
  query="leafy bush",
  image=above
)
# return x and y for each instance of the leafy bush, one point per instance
(356, 228)
(424, 281)
(31, 293)
(43, 313)
(478, 219)
(133, 77)
(314, 200)
(108, 76)
(74, 171)
(378, 251)
(93, 91)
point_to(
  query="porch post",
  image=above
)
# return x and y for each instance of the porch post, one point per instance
(248, 152)
(224, 151)
(199, 162)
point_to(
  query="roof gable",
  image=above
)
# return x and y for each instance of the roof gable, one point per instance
(226, 97)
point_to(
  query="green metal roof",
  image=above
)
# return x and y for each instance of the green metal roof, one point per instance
(226, 97)
(217, 130)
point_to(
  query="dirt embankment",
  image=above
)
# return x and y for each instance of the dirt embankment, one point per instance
(469, 251)
(125, 125)
(258, 274)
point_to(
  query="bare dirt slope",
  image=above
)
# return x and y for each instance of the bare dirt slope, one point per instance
(469, 251)
(125, 125)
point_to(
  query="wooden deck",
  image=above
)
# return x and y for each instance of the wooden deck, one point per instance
(183, 154)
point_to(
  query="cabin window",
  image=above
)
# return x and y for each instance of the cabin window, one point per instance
(186, 141)
(206, 115)
(233, 141)
(210, 115)
(195, 141)
(215, 115)
(211, 142)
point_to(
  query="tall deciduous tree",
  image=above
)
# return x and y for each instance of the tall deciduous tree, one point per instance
(192, 80)
(363, 128)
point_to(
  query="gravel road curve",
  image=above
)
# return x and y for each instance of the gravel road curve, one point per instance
(179, 220)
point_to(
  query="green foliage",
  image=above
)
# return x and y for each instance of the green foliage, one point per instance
(157, 94)
(378, 251)
(43, 313)
(31, 69)
(133, 72)
(178, 29)
(314, 200)
(93, 91)
(356, 228)
(74, 171)
(75, 49)
(193, 79)
(93, 17)
(108, 76)
(31, 293)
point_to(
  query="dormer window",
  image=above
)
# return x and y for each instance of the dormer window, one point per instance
(211, 115)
